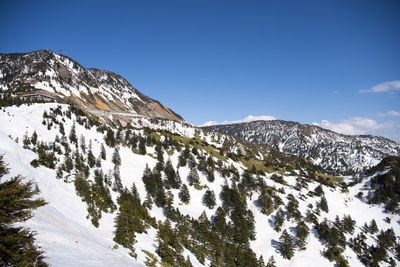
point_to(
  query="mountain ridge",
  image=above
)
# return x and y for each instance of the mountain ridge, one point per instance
(333, 151)
(89, 87)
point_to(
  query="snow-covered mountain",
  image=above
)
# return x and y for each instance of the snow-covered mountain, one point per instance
(58, 75)
(333, 151)
(195, 198)
(129, 183)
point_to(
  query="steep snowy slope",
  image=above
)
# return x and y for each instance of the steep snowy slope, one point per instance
(59, 75)
(332, 151)
(241, 186)
(63, 231)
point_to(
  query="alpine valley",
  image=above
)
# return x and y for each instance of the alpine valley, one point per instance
(124, 181)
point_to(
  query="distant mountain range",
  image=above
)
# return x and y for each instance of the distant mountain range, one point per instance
(344, 154)
(61, 76)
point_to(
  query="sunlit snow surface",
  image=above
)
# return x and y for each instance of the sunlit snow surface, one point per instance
(69, 239)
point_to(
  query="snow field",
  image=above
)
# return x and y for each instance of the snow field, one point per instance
(69, 238)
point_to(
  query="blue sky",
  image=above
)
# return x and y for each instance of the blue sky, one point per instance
(335, 63)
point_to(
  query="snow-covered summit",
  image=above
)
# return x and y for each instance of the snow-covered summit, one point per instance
(92, 88)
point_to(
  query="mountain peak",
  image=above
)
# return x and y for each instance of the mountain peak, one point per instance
(91, 88)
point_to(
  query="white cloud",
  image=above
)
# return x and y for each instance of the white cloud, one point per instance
(384, 87)
(341, 127)
(247, 119)
(391, 113)
(209, 123)
(358, 125)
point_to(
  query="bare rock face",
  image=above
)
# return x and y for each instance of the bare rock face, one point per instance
(47, 71)
(343, 154)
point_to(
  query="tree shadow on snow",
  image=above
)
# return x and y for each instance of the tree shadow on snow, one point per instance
(315, 233)
(292, 230)
(275, 244)
(271, 223)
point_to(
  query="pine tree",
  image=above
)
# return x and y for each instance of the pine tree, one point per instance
(131, 219)
(78, 161)
(148, 181)
(165, 252)
(59, 172)
(118, 136)
(373, 227)
(110, 138)
(324, 205)
(318, 191)
(108, 178)
(292, 208)
(348, 224)
(171, 179)
(193, 176)
(83, 143)
(26, 141)
(169, 247)
(286, 247)
(184, 157)
(387, 239)
(160, 152)
(178, 179)
(17, 201)
(142, 146)
(279, 219)
(117, 185)
(338, 223)
(397, 251)
(34, 138)
(160, 198)
(260, 262)
(210, 163)
(331, 234)
(219, 220)
(116, 158)
(98, 162)
(68, 164)
(62, 131)
(302, 232)
(90, 158)
(103, 153)
(210, 175)
(57, 139)
(271, 262)
(209, 199)
(184, 194)
(72, 135)
(365, 228)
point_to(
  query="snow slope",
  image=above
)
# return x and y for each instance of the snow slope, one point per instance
(63, 231)
(69, 239)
